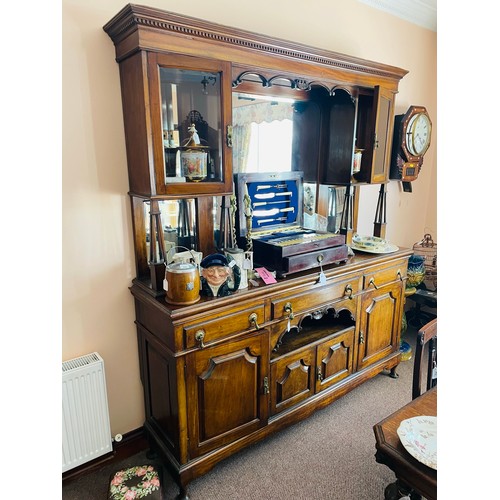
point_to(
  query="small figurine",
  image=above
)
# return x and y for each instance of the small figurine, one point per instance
(194, 138)
(220, 276)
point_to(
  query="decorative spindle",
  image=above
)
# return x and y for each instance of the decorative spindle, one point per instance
(346, 221)
(380, 213)
(233, 202)
(156, 247)
(248, 217)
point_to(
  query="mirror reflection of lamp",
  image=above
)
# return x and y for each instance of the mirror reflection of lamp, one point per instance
(204, 83)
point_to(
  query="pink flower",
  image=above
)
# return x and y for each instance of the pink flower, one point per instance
(130, 495)
(116, 480)
(150, 467)
(422, 446)
(155, 481)
(141, 471)
(146, 484)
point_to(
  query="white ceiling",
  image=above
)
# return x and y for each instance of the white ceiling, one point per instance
(420, 12)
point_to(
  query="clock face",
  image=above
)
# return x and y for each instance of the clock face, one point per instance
(418, 134)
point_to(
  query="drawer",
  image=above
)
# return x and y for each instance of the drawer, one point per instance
(382, 277)
(295, 263)
(211, 328)
(282, 306)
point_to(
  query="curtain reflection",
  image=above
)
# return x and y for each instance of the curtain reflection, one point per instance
(257, 113)
(241, 143)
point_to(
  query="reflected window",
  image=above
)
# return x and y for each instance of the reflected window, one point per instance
(269, 149)
(262, 133)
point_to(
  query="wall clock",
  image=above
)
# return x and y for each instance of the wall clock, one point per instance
(411, 140)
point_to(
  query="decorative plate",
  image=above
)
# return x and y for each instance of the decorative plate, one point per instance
(372, 244)
(419, 437)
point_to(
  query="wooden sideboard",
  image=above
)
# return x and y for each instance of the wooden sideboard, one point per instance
(227, 372)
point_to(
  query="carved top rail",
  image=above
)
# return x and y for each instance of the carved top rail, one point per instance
(137, 27)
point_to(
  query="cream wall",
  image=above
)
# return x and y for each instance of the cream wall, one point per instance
(98, 262)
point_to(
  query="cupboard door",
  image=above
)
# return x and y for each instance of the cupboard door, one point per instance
(334, 359)
(384, 118)
(292, 379)
(375, 123)
(186, 91)
(338, 165)
(306, 139)
(227, 395)
(323, 144)
(380, 324)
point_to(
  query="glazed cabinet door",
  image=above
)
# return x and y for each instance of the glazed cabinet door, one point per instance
(227, 392)
(190, 105)
(380, 324)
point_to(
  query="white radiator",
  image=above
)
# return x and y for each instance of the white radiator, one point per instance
(86, 433)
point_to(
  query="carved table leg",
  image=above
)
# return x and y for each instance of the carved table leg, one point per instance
(393, 373)
(399, 490)
(391, 492)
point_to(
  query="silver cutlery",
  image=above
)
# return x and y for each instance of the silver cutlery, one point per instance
(272, 211)
(262, 203)
(268, 196)
(268, 186)
(271, 220)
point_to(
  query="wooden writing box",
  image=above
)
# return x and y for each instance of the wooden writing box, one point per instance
(270, 219)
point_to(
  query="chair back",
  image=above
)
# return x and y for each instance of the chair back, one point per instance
(425, 366)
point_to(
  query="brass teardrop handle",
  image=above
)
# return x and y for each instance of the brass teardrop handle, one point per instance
(253, 320)
(372, 282)
(361, 338)
(348, 291)
(400, 275)
(199, 336)
(319, 375)
(289, 309)
(229, 136)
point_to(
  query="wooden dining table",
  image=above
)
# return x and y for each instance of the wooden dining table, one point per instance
(412, 476)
